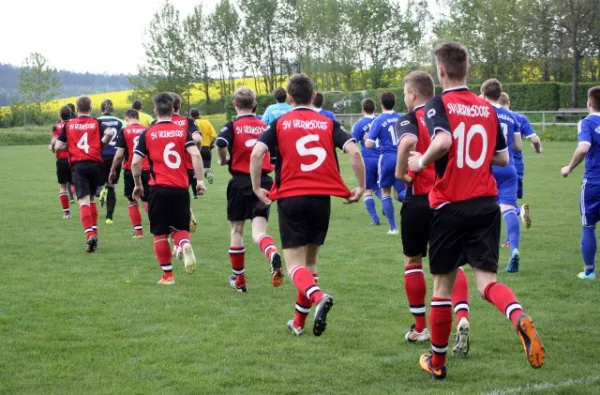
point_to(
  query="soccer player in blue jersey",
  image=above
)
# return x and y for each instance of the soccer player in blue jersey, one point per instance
(360, 131)
(506, 177)
(274, 111)
(588, 148)
(383, 129)
(318, 106)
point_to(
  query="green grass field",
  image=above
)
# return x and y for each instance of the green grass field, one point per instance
(73, 323)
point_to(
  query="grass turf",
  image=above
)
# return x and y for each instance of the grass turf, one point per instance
(74, 323)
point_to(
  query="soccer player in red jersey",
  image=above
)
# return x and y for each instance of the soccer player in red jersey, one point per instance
(466, 142)
(416, 215)
(307, 175)
(84, 138)
(126, 143)
(165, 145)
(237, 139)
(63, 172)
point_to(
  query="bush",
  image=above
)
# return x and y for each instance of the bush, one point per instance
(39, 135)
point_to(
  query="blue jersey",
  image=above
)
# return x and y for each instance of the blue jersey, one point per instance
(108, 121)
(526, 131)
(588, 132)
(359, 130)
(383, 129)
(510, 128)
(328, 114)
(274, 111)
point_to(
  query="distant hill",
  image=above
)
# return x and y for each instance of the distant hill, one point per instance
(74, 84)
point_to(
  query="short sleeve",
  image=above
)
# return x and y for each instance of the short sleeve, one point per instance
(500, 139)
(436, 118)
(225, 138)
(101, 127)
(63, 133)
(269, 136)
(189, 140)
(357, 131)
(584, 132)
(526, 128)
(340, 136)
(140, 148)
(374, 130)
(121, 140)
(407, 126)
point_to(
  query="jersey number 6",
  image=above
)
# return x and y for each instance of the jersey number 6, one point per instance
(168, 154)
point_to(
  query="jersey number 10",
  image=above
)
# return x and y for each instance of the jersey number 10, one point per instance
(463, 149)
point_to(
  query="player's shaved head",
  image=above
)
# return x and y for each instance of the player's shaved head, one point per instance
(492, 89)
(421, 83)
(65, 113)
(84, 104)
(594, 98)
(132, 114)
(504, 99)
(280, 95)
(107, 106)
(301, 89)
(388, 101)
(176, 101)
(163, 104)
(243, 99)
(368, 106)
(318, 100)
(455, 59)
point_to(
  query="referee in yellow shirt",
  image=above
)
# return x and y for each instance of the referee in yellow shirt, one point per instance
(145, 119)
(208, 142)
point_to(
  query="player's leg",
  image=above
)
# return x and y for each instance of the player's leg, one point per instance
(267, 245)
(237, 256)
(158, 214)
(589, 208)
(460, 301)
(63, 175)
(387, 179)
(371, 165)
(179, 221)
(507, 199)
(206, 159)
(71, 191)
(193, 182)
(133, 209)
(80, 176)
(111, 196)
(64, 201)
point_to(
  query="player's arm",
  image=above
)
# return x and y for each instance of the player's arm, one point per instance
(106, 133)
(373, 134)
(500, 157)
(139, 154)
(529, 133)
(517, 142)
(407, 133)
(584, 142)
(266, 142)
(224, 141)
(61, 142)
(348, 145)
(192, 149)
(441, 137)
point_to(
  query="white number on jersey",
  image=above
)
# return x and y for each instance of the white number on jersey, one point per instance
(504, 131)
(83, 143)
(136, 140)
(251, 143)
(113, 139)
(463, 151)
(168, 154)
(392, 130)
(319, 152)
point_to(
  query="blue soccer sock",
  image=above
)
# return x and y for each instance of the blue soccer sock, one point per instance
(377, 193)
(588, 248)
(371, 209)
(388, 210)
(513, 228)
(402, 196)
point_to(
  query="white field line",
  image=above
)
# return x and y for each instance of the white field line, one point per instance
(545, 386)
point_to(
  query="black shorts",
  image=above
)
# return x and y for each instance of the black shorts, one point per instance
(87, 177)
(206, 154)
(415, 225)
(242, 203)
(130, 184)
(63, 171)
(465, 232)
(168, 210)
(108, 161)
(303, 220)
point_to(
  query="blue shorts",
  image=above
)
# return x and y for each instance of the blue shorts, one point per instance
(371, 166)
(589, 202)
(506, 178)
(387, 170)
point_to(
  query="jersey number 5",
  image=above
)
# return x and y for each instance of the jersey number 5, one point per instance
(168, 154)
(83, 145)
(319, 152)
(463, 149)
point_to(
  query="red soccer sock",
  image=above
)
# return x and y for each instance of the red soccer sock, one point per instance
(505, 301)
(85, 213)
(303, 306)
(416, 289)
(181, 238)
(64, 201)
(94, 217)
(162, 250)
(237, 256)
(267, 246)
(136, 218)
(316, 278)
(305, 283)
(460, 295)
(440, 322)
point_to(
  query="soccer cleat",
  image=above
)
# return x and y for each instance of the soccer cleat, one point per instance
(138, 237)
(109, 221)
(193, 223)
(195, 197)
(72, 200)
(583, 276)
(462, 340)
(276, 270)
(376, 223)
(436, 373)
(91, 245)
(167, 279)
(233, 285)
(320, 320)
(103, 196)
(513, 262)
(293, 330)
(393, 232)
(506, 244)
(67, 216)
(189, 259)
(532, 344)
(525, 216)
(413, 336)
(178, 253)
(209, 176)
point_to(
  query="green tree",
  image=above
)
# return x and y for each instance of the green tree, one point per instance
(38, 82)
(224, 41)
(196, 27)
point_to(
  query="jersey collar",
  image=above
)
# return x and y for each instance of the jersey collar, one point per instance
(456, 89)
(418, 107)
(245, 115)
(304, 108)
(388, 112)
(596, 114)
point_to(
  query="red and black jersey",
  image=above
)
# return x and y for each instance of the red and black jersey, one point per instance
(413, 124)
(465, 171)
(128, 139)
(239, 137)
(190, 125)
(83, 136)
(307, 164)
(165, 145)
(56, 130)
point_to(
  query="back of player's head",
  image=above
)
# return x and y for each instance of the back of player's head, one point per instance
(594, 98)
(492, 89)
(280, 95)
(137, 105)
(318, 100)
(194, 113)
(65, 113)
(163, 104)
(71, 107)
(368, 106)
(107, 106)
(84, 104)
(176, 101)
(301, 89)
(132, 114)
(421, 83)
(243, 98)
(388, 101)
(455, 59)
(504, 99)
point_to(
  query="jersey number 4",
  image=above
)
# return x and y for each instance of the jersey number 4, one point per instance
(83, 143)
(318, 152)
(463, 149)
